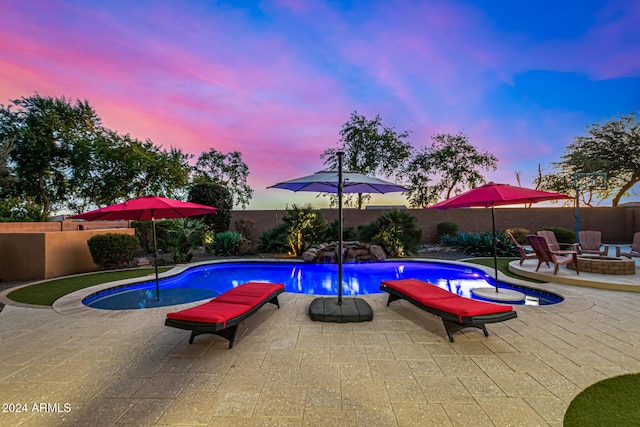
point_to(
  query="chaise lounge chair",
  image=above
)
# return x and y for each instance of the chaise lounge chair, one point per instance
(590, 243)
(545, 254)
(523, 254)
(457, 312)
(635, 248)
(223, 314)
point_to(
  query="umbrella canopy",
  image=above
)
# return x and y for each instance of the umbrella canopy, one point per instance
(339, 182)
(327, 182)
(491, 195)
(148, 208)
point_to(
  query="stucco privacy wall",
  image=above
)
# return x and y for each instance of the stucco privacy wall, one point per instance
(43, 255)
(67, 225)
(616, 224)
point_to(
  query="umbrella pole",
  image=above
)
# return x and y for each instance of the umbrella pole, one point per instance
(495, 243)
(340, 189)
(155, 255)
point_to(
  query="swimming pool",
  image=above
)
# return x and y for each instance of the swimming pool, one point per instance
(209, 280)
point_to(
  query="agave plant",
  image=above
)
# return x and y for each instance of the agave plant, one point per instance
(227, 243)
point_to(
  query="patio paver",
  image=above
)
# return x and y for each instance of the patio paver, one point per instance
(398, 370)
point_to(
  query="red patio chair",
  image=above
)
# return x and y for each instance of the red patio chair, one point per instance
(545, 254)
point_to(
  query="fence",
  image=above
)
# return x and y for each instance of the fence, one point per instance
(616, 224)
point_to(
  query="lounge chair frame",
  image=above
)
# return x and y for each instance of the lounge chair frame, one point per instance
(452, 322)
(228, 329)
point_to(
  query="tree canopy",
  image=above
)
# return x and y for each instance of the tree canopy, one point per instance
(612, 148)
(228, 170)
(55, 154)
(450, 165)
(369, 148)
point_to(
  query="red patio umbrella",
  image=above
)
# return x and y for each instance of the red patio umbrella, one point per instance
(492, 195)
(148, 208)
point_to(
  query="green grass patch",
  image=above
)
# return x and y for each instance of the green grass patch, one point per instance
(611, 402)
(503, 267)
(46, 293)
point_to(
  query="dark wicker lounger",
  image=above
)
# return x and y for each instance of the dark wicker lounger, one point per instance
(223, 314)
(456, 312)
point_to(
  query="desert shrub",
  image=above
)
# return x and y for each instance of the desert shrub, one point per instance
(184, 236)
(481, 244)
(396, 231)
(305, 227)
(562, 234)
(227, 243)
(245, 227)
(348, 233)
(274, 240)
(113, 250)
(520, 234)
(144, 233)
(447, 228)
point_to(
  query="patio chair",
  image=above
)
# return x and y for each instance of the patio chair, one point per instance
(635, 248)
(523, 253)
(545, 254)
(550, 237)
(589, 242)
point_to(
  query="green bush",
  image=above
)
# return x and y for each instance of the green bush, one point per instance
(274, 240)
(144, 233)
(520, 234)
(396, 231)
(447, 228)
(184, 236)
(305, 227)
(480, 244)
(227, 243)
(216, 195)
(562, 234)
(112, 250)
(348, 233)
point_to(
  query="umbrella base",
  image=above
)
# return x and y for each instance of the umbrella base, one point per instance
(501, 295)
(351, 310)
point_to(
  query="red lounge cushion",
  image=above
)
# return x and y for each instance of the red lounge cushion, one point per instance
(251, 293)
(211, 312)
(443, 300)
(417, 289)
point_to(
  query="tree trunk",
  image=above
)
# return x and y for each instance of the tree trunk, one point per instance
(46, 200)
(635, 178)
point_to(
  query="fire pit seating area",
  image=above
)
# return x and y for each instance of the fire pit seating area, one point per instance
(604, 265)
(353, 251)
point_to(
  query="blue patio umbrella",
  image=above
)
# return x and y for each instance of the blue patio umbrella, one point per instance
(340, 182)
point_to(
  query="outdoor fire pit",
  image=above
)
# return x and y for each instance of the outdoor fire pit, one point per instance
(604, 265)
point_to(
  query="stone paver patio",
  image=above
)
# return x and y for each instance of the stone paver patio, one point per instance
(127, 368)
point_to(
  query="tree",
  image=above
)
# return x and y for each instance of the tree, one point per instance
(369, 148)
(612, 148)
(114, 168)
(453, 160)
(44, 130)
(227, 169)
(216, 195)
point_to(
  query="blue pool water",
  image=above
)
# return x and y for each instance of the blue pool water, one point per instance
(208, 281)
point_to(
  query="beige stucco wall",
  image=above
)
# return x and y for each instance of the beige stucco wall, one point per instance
(35, 256)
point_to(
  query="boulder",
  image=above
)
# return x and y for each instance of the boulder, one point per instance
(352, 251)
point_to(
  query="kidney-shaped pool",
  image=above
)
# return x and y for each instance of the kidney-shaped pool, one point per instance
(209, 280)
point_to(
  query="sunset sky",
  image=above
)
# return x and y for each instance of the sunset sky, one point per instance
(277, 79)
